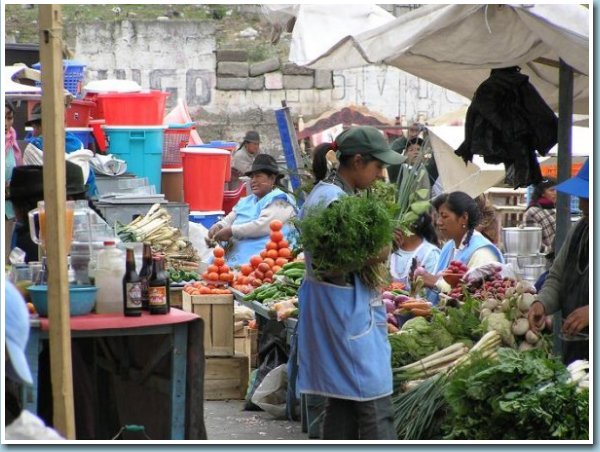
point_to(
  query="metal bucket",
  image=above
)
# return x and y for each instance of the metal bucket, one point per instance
(533, 272)
(522, 241)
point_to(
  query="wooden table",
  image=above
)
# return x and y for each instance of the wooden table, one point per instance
(174, 325)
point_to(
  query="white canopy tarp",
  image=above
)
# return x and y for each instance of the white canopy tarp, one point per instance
(475, 178)
(455, 46)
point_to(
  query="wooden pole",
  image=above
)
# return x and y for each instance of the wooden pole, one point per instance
(53, 113)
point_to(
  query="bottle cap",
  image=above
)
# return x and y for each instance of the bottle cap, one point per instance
(109, 242)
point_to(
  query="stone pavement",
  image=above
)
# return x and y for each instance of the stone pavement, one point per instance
(226, 420)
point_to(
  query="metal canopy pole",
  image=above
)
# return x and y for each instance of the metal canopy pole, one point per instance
(565, 121)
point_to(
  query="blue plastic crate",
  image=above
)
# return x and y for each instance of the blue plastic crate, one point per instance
(83, 133)
(207, 218)
(140, 147)
(73, 74)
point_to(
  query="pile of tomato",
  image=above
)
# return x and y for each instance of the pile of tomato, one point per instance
(218, 270)
(262, 267)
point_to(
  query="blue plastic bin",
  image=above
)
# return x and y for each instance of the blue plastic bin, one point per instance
(207, 218)
(83, 133)
(140, 147)
(73, 74)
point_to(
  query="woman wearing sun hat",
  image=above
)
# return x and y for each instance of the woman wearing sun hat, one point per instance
(343, 351)
(566, 288)
(247, 225)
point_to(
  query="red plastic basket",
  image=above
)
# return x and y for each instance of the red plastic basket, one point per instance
(176, 137)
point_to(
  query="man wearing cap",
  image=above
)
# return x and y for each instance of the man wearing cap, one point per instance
(20, 424)
(566, 288)
(26, 189)
(72, 144)
(245, 155)
(343, 351)
(247, 225)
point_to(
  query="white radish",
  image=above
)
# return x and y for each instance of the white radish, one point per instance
(524, 346)
(525, 301)
(490, 303)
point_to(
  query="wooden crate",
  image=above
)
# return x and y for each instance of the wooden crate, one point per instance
(176, 297)
(246, 343)
(217, 313)
(226, 377)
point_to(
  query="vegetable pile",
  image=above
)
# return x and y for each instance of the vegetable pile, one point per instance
(518, 396)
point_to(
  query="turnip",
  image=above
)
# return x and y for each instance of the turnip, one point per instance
(525, 346)
(490, 303)
(484, 313)
(505, 305)
(389, 305)
(525, 301)
(400, 298)
(531, 337)
(388, 295)
(509, 292)
(520, 327)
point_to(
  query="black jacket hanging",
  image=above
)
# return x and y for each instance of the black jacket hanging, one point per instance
(507, 122)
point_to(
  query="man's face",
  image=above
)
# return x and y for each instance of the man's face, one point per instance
(252, 147)
(413, 131)
(412, 153)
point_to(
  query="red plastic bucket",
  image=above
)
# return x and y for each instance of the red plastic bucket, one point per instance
(146, 108)
(204, 172)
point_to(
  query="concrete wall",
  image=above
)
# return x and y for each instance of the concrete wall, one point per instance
(229, 95)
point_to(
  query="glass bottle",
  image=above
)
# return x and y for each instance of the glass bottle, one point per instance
(158, 288)
(132, 288)
(145, 273)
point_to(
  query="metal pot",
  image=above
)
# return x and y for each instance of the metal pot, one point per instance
(513, 261)
(522, 241)
(533, 272)
(533, 259)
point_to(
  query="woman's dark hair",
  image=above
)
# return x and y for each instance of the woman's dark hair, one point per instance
(319, 164)
(459, 203)
(423, 227)
(539, 189)
(10, 106)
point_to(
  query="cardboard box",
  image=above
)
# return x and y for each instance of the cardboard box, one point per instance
(176, 294)
(217, 313)
(226, 378)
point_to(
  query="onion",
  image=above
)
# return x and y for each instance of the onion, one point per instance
(389, 306)
(388, 295)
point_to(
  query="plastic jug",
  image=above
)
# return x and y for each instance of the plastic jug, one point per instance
(110, 268)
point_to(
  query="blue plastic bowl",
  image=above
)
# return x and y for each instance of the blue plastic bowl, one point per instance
(82, 299)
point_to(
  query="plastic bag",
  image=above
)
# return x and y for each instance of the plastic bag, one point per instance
(272, 392)
(490, 269)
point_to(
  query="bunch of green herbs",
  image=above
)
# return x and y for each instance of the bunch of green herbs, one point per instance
(518, 396)
(343, 236)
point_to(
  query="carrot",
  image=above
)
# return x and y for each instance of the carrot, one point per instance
(416, 304)
(421, 312)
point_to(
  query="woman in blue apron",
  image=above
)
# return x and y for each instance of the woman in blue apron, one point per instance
(457, 217)
(566, 288)
(343, 350)
(247, 225)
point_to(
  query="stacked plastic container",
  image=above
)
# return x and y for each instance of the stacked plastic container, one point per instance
(206, 168)
(78, 112)
(134, 130)
(177, 136)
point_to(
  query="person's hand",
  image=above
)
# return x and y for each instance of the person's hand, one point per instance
(223, 234)
(429, 280)
(213, 230)
(382, 256)
(576, 321)
(537, 316)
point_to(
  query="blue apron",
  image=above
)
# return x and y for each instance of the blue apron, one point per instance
(343, 350)
(463, 255)
(249, 209)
